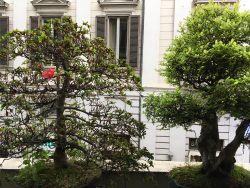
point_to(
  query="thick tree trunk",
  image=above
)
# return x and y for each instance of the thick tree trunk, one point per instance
(208, 141)
(225, 161)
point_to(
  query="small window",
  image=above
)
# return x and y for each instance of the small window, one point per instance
(193, 144)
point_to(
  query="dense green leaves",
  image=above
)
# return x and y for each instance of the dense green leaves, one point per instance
(213, 45)
(175, 108)
(209, 62)
(233, 96)
(71, 106)
(210, 58)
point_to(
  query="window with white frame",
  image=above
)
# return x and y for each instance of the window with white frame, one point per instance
(117, 36)
(121, 34)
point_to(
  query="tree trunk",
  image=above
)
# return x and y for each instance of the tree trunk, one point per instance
(225, 161)
(60, 156)
(208, 141)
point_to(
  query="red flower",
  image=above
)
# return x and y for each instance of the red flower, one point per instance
(49, 73)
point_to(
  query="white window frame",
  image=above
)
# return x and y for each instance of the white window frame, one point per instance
(107, 33)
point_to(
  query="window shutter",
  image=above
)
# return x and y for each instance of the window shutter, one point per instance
(134, 34)
(100, 26)
(34, 22)
(4, 28)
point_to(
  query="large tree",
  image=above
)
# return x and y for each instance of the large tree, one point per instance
(209, 64)
(64, 93)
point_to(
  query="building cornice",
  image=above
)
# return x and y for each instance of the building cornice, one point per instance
(114, 5)
(3, 6)
(45, 7)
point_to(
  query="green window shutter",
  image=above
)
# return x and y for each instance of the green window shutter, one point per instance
(34, 22)
(100, 26)
(4, 28)
(134, 34)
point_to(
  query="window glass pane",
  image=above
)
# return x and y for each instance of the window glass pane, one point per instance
(123, 38)
(112, 33)
(49, 19)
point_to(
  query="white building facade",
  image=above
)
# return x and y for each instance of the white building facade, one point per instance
(145, 29)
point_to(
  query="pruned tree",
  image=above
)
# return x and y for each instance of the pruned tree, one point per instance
(61, 95)
(209, 64)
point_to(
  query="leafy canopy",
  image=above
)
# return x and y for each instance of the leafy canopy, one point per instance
(64, 93)
(212, 46)
(209, 63)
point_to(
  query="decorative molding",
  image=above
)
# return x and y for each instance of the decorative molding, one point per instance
(50, 2)
(51, 7)
(118, 5)
(3, 6)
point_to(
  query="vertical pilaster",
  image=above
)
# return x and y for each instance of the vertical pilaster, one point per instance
(151, 42)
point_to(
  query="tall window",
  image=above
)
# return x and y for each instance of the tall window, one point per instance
(121, 34)
(117, 36)
(4, 28)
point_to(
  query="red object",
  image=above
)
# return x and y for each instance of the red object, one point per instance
(49, 73)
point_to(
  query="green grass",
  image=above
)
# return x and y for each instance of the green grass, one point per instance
(190, 176)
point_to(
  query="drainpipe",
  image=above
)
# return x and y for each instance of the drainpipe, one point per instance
(141, 64)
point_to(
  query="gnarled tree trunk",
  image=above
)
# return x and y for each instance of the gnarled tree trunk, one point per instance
(225, 161)
(208, 141)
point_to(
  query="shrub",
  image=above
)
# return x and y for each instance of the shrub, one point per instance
(45, 175)
(190, 176)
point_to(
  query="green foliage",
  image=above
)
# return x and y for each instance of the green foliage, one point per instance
(190, 176)
(209, 63)
(210, 59)
(44, 175)
(63, 94)
(175, 108)
(233, 96)
(212, 46)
